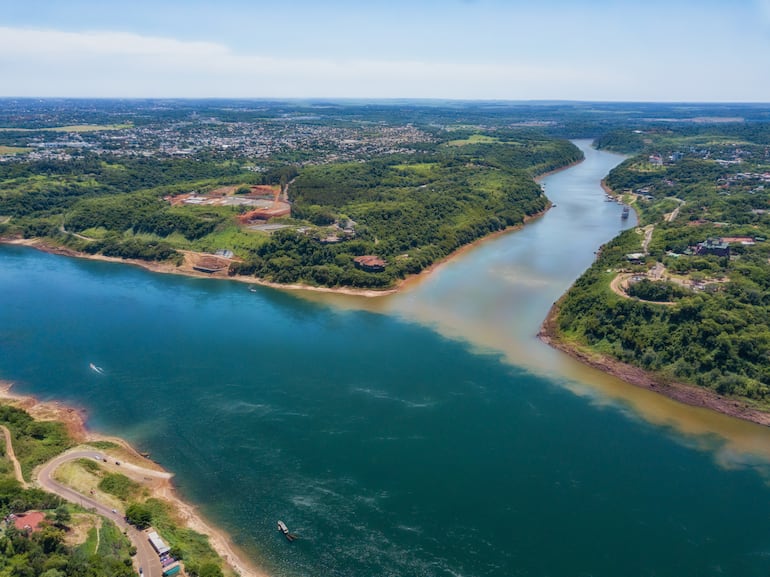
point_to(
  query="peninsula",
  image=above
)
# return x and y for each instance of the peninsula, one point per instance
(679, 305)
(109, 484)
(333, 201)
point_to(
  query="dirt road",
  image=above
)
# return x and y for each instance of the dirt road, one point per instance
(12, 456)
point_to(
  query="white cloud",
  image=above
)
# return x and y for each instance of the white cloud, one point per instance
(35, 62)
(55, 63)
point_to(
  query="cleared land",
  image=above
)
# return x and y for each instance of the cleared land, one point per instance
(13, 149)
(72, 128)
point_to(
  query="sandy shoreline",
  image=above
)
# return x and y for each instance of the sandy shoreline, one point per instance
(74, 420)
(187, 270)
(681, 392)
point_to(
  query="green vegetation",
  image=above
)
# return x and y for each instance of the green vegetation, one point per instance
(119, 485)
(89, 465)
(139, 515)
(716, 334)
(199, 557)
(657, 291)
(12, 150)
(72, 128)
(103, 445)
(45, 554)
(408, 208)
(34, 442)
(473, 139)
(410, 212)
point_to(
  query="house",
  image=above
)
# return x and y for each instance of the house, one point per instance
(224, 253)
(713, 246)
(635, 257)
(369, 263)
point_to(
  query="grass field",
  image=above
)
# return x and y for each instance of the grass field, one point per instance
(13, 149)
(474, 139)
(75, 475)
(72, 128)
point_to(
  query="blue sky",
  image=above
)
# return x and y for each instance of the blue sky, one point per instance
(645, 50)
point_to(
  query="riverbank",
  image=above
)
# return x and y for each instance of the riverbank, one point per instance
(161, 488)
(187, 268)
(681, 392)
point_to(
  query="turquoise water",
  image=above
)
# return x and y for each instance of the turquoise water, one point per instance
(393, 444)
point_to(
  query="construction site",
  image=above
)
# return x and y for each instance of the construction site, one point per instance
(266, 202)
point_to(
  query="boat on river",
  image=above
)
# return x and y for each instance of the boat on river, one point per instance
(96, 369)
(285, 530)
(626, 210)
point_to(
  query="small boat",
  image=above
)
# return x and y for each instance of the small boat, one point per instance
(285, 530)
(626, 210)
(96, 369)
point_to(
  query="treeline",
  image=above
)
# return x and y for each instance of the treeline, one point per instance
(45, 187)
(35, 442)
(140, 213)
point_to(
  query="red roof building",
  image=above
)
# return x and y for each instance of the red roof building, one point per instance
(369, 263)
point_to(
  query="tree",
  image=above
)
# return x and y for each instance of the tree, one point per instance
(62, 515)
(139, 515)
(210, 569)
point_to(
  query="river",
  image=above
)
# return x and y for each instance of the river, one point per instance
(428, 433)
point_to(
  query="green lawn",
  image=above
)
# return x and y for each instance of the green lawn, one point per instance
(72, 128)
(13, 149)
(474, 139)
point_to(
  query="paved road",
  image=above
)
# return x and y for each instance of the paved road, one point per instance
(146, 557)
(12, 456)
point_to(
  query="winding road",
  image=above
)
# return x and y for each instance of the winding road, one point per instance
(146, 557)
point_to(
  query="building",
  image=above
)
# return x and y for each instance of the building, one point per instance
(157, 543)
(369, 263)
(635, 257)
(715, 246)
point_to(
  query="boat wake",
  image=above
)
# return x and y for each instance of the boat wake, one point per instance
(96, 369)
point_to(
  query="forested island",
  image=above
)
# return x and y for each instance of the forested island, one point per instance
(685, 296)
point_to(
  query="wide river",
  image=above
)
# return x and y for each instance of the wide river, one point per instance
(425, 434)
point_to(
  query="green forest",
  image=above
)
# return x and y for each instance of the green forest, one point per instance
(716, 334)
(409, 210)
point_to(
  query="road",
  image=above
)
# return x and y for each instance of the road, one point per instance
(146, 557)
(673, 214)
(12, 456)
(648, 230)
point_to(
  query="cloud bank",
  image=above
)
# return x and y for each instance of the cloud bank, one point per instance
(44, 62)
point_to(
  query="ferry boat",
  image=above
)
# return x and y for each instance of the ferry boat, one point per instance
(285, 530)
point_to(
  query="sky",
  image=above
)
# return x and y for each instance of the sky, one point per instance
(590, 50)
